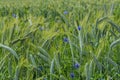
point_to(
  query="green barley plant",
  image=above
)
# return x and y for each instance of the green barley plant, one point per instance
(59, 40)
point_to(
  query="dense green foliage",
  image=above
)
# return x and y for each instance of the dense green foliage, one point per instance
(59, 39)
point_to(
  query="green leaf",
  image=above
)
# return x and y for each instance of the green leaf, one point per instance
(114, 43)
(51, 69)
(11, 50)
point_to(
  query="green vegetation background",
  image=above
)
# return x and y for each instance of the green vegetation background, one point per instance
(39, 41)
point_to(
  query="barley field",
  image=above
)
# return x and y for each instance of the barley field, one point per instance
(59, 39)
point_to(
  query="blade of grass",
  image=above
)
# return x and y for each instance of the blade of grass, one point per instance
(111, 61)
(116, 42)
(43, 57)
(51, 69)
(11, 50)
(87, 71)
(33, 60)
(44, 52)
(114, 26)
(16, 77)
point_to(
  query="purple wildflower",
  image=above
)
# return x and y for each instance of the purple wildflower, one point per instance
(76, 65)
(65, 12)
(72, 75)
(79, 28)
(65, 39)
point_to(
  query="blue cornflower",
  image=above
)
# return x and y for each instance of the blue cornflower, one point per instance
(72, 75)
(65, 12)
(14, 15)
(79, 28)
(65, 39)
(76, 65)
